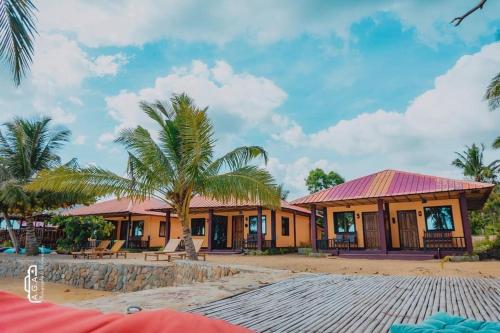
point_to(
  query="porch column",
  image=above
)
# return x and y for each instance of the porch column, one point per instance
(167, 226)
(465, 222)
(209, 229)
(129, 226)
(381, 225)
(273, 228)
(325, 224)
(259, 228)
(294, 231)
(312, 222)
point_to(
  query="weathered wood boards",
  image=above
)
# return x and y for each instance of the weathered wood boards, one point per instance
(337, 303)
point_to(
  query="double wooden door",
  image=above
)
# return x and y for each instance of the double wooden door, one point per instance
(238, 235)
(370, 230)
(408, 230)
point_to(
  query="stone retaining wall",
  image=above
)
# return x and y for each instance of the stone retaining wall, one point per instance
(115, 276)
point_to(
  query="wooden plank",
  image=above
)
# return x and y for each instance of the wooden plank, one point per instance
(337, 303)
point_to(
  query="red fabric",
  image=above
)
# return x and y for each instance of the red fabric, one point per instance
(17, 315)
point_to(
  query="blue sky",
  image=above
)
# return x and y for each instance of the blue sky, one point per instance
(351, 86)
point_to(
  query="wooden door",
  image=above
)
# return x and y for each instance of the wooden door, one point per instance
(370, 230)
(408, 230)
(123, 230)
(238, 227)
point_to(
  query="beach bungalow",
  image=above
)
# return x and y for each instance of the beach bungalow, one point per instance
(396, 214)
(222, 226)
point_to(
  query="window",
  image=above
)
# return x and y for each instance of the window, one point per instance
(252, 225)
(344, 222)
(137, 228)
(163, 226)
(285, 226)
(198, 227)
(438, 218)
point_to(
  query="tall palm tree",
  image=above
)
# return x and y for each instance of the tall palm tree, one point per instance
(492, 94)
(17, 31)
(26, 148)
(175, 167)
(472, 163)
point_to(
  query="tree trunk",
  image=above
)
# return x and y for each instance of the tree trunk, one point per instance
(12, 234)
(31, 241)
(188, 243)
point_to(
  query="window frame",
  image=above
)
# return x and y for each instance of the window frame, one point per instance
(283, 218)
(199, 219)
(134, 224)
(164, 224)
(335, 222)
(439, 230)
(264, 224)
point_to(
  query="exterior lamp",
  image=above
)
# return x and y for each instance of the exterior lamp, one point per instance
(419, 213)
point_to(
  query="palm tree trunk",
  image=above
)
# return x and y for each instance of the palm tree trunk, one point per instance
(12, 234)
(188, 243)
(31, 241)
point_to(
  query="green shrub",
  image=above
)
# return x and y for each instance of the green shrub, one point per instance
(7, 243)
(78, 229)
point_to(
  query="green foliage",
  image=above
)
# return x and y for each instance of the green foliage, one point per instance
(492, 94)
(471, 161)
(487, 220)
(17, 31)
(78, 229)
(319, 179)
(7, 243)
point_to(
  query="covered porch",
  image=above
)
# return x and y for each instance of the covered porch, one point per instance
(389, 221)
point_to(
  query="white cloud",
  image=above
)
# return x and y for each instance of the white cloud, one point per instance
(294, 173)
(108, 64)
(129, 22)
(424, 136)
(80, 140)
(240, 96)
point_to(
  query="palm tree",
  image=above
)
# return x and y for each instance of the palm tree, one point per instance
(472, 163)
(496, 143)
(26, 148)
(492, 94)
(175, 167)
(17, 31)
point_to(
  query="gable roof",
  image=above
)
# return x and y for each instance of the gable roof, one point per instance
(121, 206)
(390, 183)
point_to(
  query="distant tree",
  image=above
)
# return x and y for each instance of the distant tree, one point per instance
(472, 163)
(487, 220)
(318, 180)
(492, 94)
(496, 143)
(283, 192)
(17, 31)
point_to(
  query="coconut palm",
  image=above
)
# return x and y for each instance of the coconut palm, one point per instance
(492, 94)
(17, 31)
(471, 161)
(173, 168)
(26, 148)
(496, 143)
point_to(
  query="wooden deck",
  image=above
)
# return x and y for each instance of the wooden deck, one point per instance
(338, 303)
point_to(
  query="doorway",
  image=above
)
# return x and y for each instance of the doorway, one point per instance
(219, 232)
(408, 230)
(370, 231)
(123, 230)
(238, 227)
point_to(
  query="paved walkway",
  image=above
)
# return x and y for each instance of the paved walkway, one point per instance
(335, 303)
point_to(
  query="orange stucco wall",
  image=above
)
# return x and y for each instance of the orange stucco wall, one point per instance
(300, 235)
(393, 209)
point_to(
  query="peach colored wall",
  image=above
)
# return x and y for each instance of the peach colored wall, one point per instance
(152, 227)
(393, 209)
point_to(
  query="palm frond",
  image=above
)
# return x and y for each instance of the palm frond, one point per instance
(17, 31)
(496, 143)
(237, 158)
(492, 94)
(246, 184)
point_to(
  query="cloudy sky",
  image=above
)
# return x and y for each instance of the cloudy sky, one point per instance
(352, 86)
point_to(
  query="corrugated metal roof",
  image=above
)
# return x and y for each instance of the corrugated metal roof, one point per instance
(117, 206)
(150, 206)
(389, 183)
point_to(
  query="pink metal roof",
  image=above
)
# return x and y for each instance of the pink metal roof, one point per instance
(117, 206)
(389, 183)
(151, 206)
